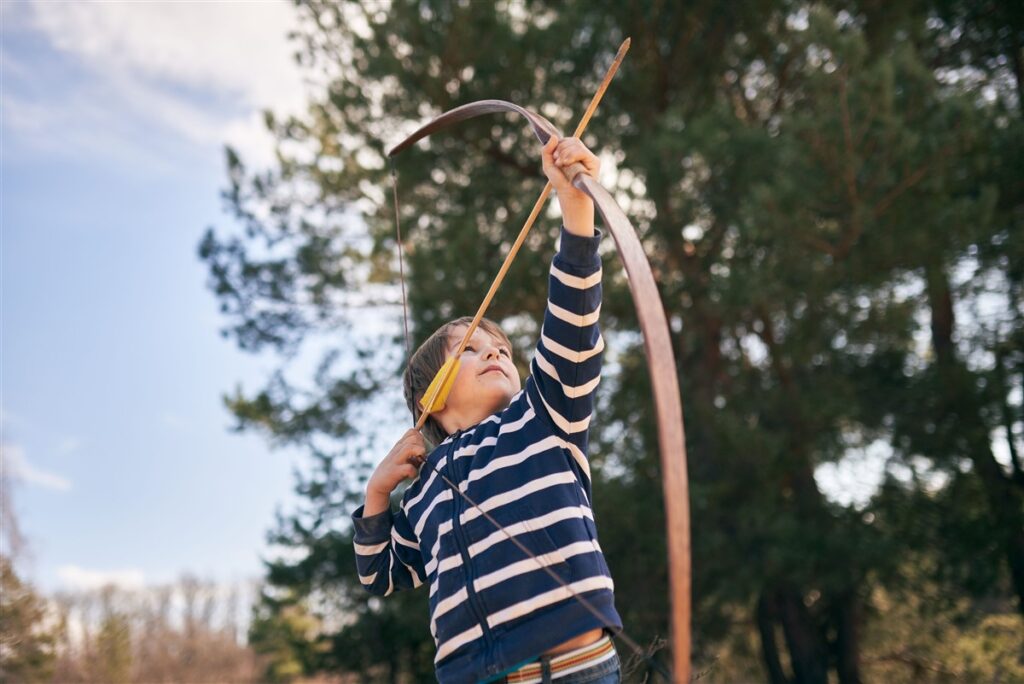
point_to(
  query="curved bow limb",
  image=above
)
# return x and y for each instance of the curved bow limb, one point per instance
(540, 125)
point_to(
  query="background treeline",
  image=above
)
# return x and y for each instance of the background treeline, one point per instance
(188, 631)
(832, 200)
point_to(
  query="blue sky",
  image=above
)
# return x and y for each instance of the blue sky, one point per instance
(113, 125)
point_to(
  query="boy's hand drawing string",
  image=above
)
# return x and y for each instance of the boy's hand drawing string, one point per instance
(658, 348)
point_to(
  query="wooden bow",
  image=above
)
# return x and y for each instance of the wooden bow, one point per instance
(660, 362)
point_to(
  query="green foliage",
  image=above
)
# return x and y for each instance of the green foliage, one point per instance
(286, 635)
(26, 642)
(829, 196)
(114, 649)
(925, 636)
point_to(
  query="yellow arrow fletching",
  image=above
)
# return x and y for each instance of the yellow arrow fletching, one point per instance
(440, 386)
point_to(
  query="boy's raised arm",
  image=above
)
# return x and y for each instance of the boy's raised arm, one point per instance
(566, 368)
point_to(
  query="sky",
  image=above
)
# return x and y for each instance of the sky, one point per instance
(112, 133)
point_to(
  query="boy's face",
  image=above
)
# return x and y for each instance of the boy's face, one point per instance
(486, 382)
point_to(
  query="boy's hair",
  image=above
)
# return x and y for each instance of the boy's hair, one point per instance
(427, 361)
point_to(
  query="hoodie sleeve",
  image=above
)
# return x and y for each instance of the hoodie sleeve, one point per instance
(387, 552)
(566, 367)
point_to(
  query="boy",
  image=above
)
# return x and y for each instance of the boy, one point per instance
(519, 454)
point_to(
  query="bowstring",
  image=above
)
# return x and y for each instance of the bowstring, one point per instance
(617, 633)
(401, 268)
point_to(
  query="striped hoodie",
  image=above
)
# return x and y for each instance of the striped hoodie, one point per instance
(492, 607)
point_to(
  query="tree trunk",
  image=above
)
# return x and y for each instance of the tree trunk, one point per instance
(846, 648)
(806, 648)
(804, 639)
(1008, 418)
(769, 647)
(1017, 68)
(1004, 500)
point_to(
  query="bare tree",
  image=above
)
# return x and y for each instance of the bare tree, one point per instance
(182, 632)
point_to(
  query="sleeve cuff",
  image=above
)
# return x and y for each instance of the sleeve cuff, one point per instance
(580, 251)
(373, 529)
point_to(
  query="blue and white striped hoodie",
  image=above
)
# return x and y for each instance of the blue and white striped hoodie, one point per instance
(492, 607)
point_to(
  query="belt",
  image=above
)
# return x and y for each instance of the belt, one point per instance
(553, 667)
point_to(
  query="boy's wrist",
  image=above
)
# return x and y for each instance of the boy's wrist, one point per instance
(578, 217)
(377, 501)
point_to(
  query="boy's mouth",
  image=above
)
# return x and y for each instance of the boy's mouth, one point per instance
(492, 367)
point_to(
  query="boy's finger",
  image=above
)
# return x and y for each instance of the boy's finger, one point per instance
(572, 150)
(570, 143)
(569, 153)
(548, 154)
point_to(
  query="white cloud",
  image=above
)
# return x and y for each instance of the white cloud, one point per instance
(75, 577)
(17, 465)
(232, 49)
(200, 71)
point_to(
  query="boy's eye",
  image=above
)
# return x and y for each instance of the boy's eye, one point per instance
(501, 350)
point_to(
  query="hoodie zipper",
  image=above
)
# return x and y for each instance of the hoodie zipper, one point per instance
(462, 544)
